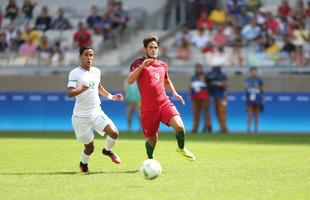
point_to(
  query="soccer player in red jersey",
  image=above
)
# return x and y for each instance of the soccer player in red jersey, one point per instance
(152, 77)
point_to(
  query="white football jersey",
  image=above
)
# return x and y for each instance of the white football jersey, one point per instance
(88, 102)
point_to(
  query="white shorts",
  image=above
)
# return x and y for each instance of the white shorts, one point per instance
(84, 126)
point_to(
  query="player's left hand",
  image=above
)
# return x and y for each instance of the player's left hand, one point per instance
(179, 97)
(118, 97)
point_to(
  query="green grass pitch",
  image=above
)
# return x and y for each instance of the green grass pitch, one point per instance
(44, 165)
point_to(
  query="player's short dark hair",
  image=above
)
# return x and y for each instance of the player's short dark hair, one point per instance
(85, 47)
(149, 39)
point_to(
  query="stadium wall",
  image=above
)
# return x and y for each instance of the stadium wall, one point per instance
(51, 111)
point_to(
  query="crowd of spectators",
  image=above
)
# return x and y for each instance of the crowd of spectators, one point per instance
(25, 35)
(241, 32)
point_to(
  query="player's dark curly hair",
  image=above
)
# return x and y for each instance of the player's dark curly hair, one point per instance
(83, 48)
(150, 38)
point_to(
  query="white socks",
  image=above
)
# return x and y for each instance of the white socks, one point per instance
(109, 143)
(85, 158)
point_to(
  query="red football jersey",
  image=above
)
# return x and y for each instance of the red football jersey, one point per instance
(151, 84)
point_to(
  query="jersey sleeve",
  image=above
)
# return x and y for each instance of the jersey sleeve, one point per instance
(72, 80)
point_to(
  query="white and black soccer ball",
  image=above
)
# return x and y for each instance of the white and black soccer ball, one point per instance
(150, 169)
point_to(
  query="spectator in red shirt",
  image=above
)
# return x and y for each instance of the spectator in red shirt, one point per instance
(82, 37)
(204, 22)
(220, 39)
(284, 9)
(272, 23)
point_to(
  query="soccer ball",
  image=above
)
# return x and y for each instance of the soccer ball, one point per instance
(150, 169)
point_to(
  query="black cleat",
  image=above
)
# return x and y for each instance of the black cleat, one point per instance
(84, 168)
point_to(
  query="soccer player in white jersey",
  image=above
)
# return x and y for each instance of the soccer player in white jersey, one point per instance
(84, 84)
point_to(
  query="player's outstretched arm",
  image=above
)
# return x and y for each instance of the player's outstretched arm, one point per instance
(72, 92)
(105, 93)
(170, 87)
(134, 75)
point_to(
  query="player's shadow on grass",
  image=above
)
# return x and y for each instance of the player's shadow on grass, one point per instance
(68, 173)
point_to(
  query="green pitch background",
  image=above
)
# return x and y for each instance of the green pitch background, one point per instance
(44, 165)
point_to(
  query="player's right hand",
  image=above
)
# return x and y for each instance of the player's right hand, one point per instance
(147, 62)
(83, 88)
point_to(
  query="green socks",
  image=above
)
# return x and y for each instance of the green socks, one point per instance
(149, 149)
(180, 136)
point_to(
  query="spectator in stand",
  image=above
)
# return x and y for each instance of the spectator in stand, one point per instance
(260, 16)
(28, 51)
(201, 39)
(219, 38)
(200, 100)
(284, 10)
(217, 86)
(250, 32)
(11, 10)
(44, 51)
(93, 18)
(299, 7)
(234, 7)
(43, 21)
(244, 18)
(229, 32)
(258, 46)
(285, 27)
(204, 22)
(57, 54)
(208, 49)
(109, 6)
(3, 44)
(254, 98)
(61, 22)
(300, 34)
(272, 23)
(10, 33)
(16, 42)
(272, 47)
(181, 35)
(265, 34)
(253, 5)
(218, 15)
(184, 51)
(31, 33)
(120, 17)
(298, 57)
(82, 37)
(104, 26)
(28, 7)
(288, 46)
